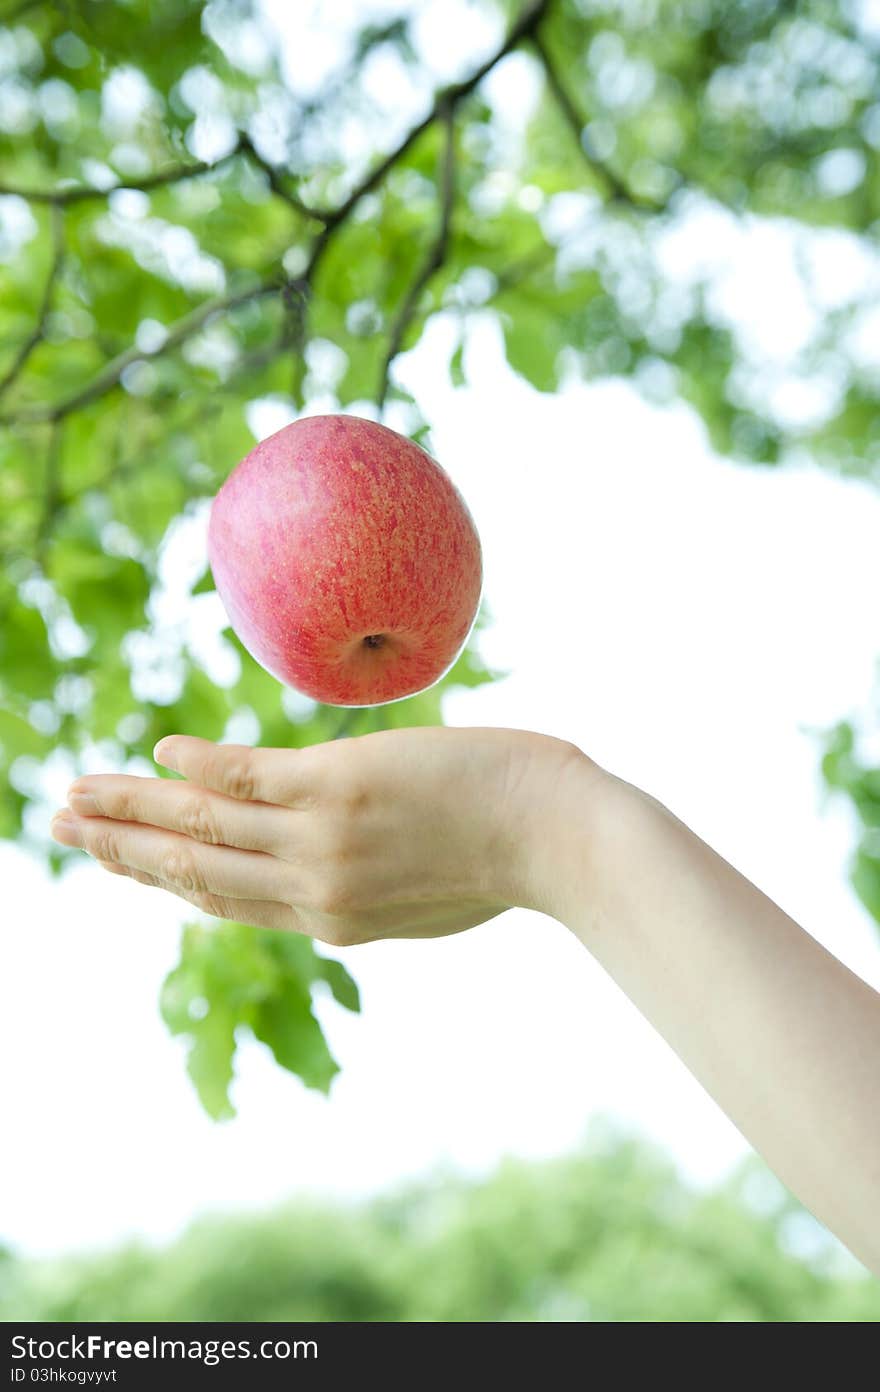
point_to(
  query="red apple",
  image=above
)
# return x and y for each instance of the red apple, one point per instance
(347, 561)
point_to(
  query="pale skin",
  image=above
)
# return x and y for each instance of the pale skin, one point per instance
(423, 832)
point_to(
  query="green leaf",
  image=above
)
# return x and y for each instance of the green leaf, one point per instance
(866, 881)
(111, 694)
(107, 594)
(342, 986)
(235, 975)
(470, 670)
(12, 805)
(424, 709)
(18, 736)
(27, 667)
(297, 953)
(838, 764)
(255, 686)
(209, 1062)
(866, 796)
(202, 708)
(286, 1024)
(533, 340)
(58, 860)
(205, 585)
(184, 985)
(456, 367)
(149, 498)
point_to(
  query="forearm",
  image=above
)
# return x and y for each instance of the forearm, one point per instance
(778, 1031)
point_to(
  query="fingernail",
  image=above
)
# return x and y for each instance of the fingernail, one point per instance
(165, 756)
(66, 830)
(83, 803)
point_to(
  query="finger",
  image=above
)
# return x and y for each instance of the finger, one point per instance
(130, 874)
(261, 913)
(196, 812)
(182, 863)
(238, 770)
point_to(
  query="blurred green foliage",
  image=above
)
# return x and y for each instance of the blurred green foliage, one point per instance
(845, 771)
(610, 1234)
(182, 233)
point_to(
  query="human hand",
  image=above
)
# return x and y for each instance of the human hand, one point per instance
(402, 833)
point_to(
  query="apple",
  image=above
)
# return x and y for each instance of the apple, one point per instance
(347, 561)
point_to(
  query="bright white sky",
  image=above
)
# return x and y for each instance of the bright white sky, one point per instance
(683, 619)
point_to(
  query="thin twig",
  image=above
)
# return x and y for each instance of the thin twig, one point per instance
(434, 259)
(110, 375)
(524, 27)
(259, 358)
(175, 174)
(111, 372)
(445, 100)
(617, 189)
(138, 461)
(38, 332)
(246, 146)
(81, 193)
(518, 271)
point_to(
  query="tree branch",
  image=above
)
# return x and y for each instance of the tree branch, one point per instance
(175, 174)
(518, 271)
(617, 189)
(37, 333)
(433, 260)
(82, 193)
(259, 358)
(111, 372)
(136, 463)
(109, 376)
(445, 100)
(449, 97)
(295, 329)
(374, 36)
(246, 146)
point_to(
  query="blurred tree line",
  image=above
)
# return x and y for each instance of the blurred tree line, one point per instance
(185, 234)
(610, 1234)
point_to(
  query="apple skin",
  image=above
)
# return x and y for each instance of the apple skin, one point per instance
(347, 561)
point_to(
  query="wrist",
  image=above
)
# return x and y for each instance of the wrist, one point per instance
(555, 859)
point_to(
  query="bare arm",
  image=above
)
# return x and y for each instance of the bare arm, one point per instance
(778, 1031)
(421, 832)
